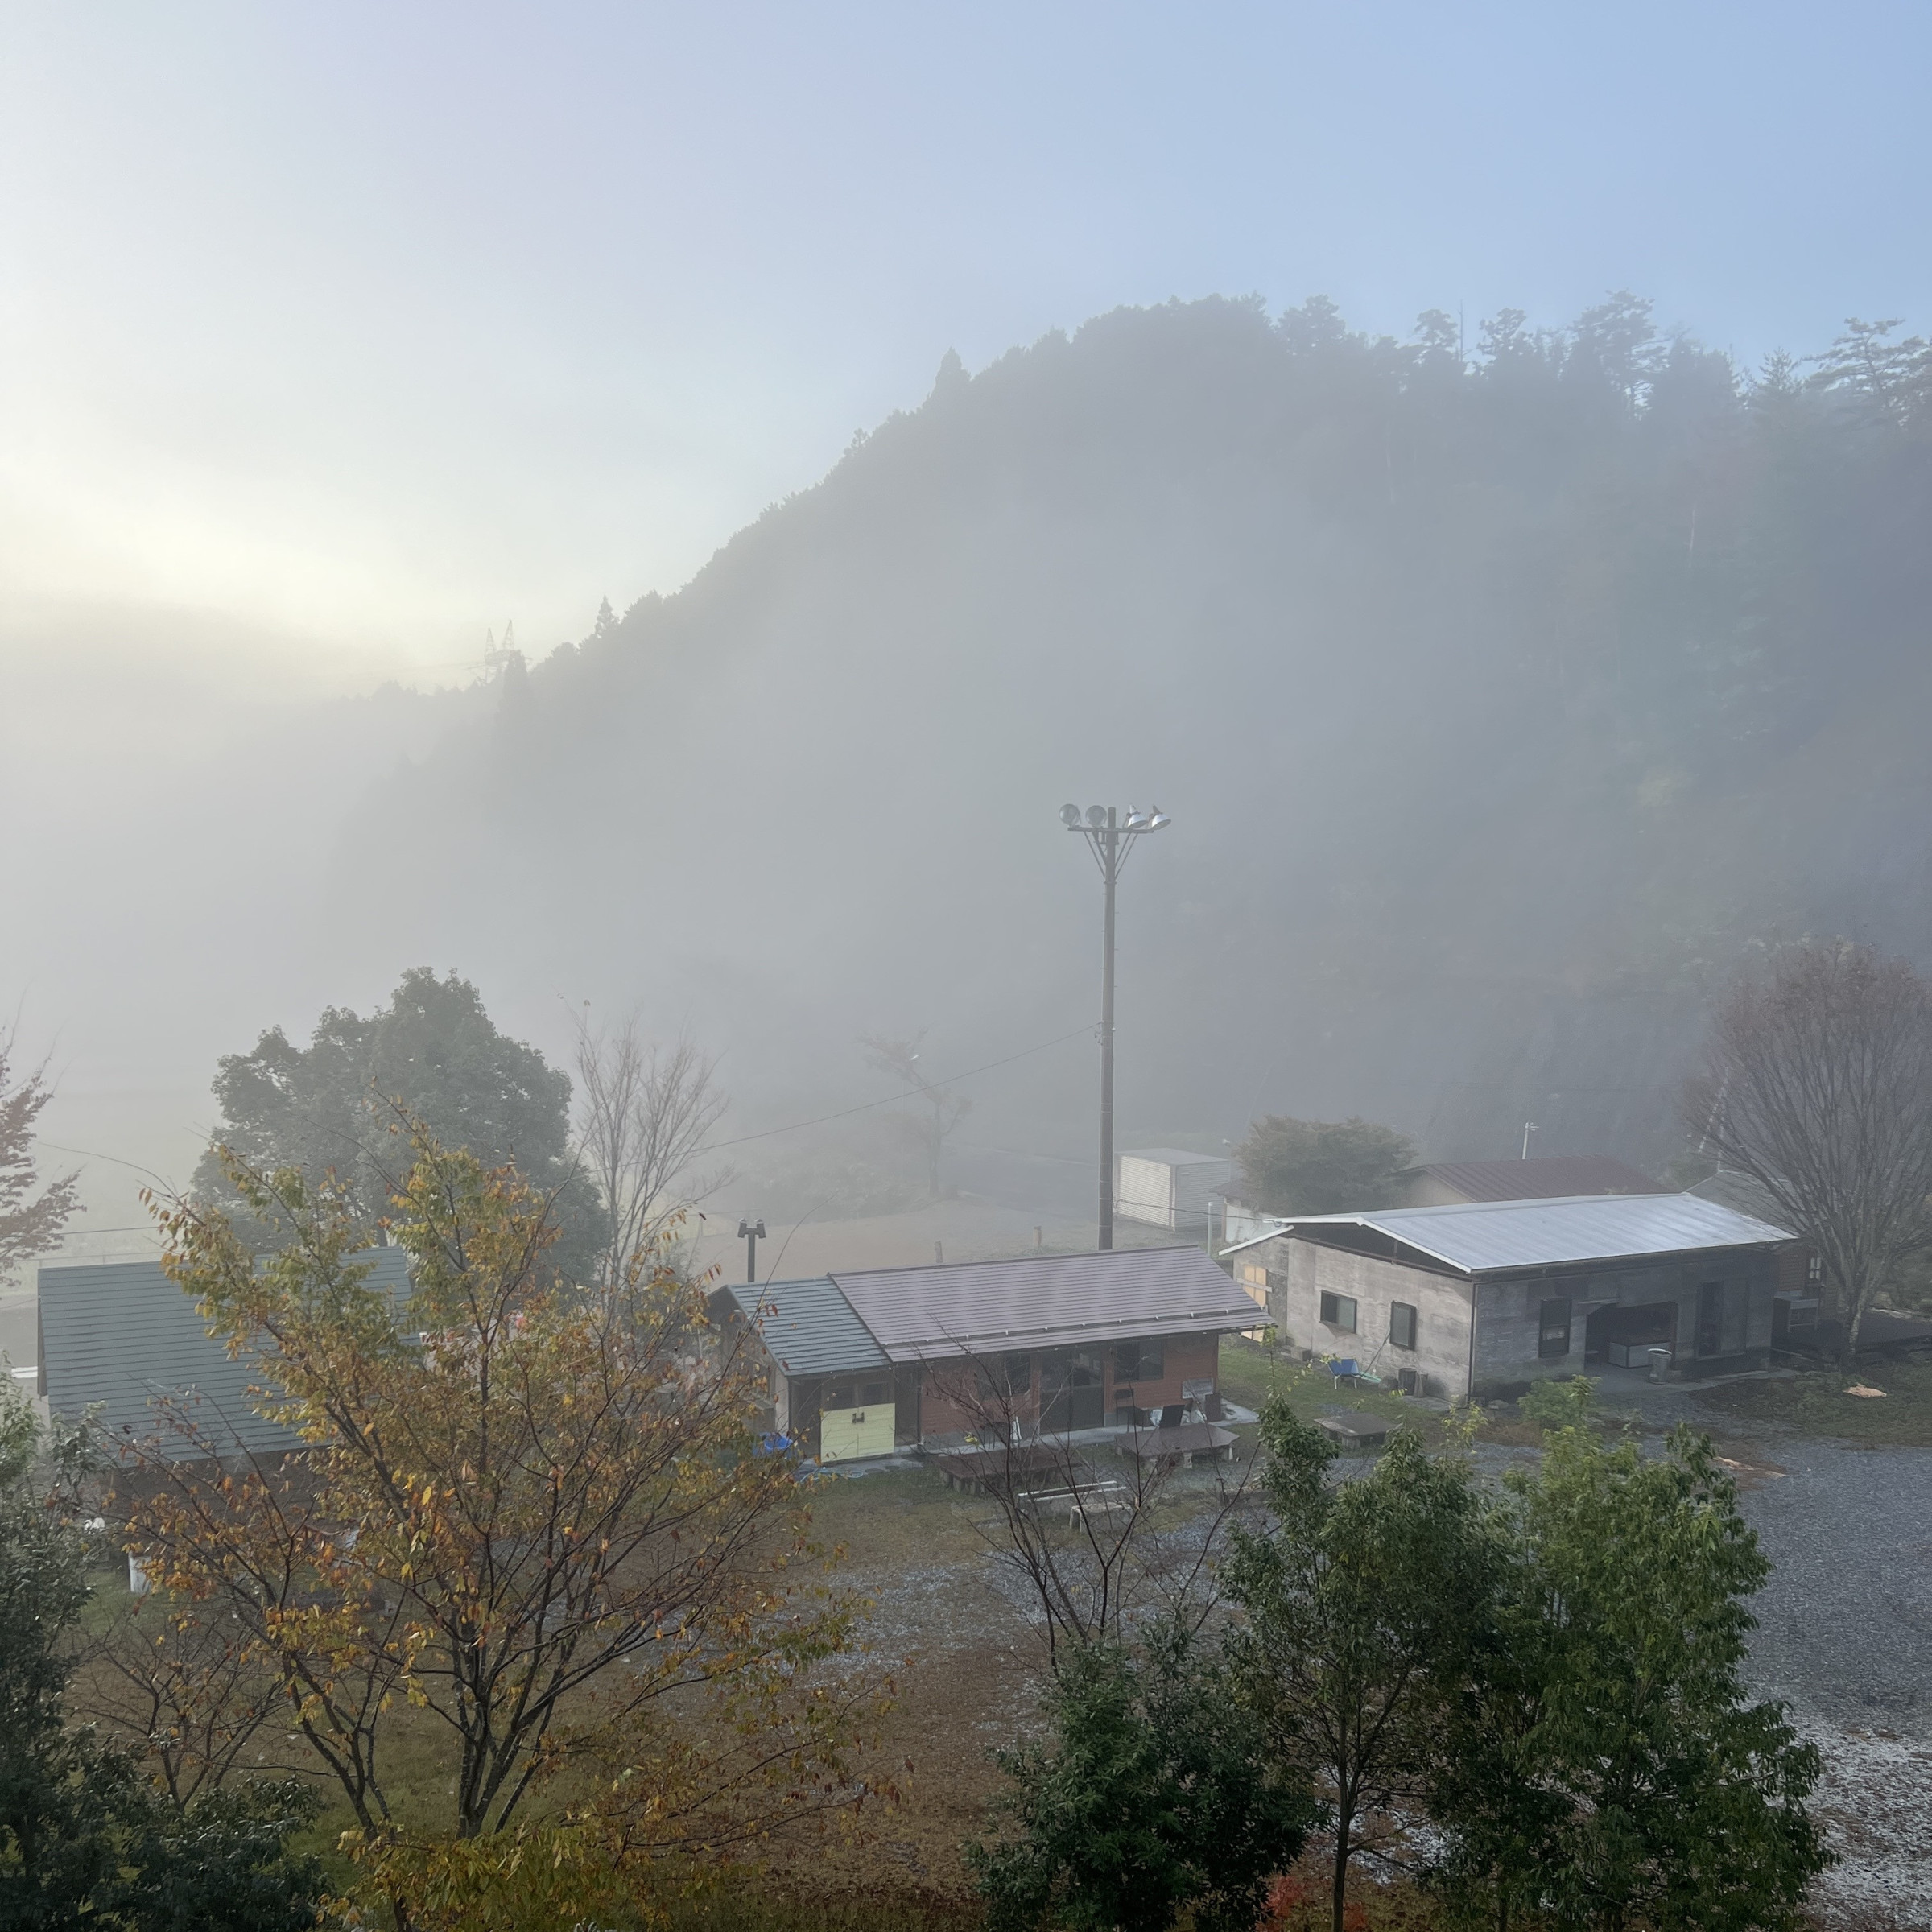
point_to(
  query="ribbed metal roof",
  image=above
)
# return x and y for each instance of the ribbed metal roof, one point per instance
(122, 1334)
(1045, 1301)
(1477, 1237)
(809, 1326)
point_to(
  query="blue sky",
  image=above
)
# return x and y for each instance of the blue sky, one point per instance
(344, 331)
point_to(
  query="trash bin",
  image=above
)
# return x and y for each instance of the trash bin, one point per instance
(1660, 1362)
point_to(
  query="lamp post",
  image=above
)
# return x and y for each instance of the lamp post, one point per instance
(1110, 838)
(750, 1232)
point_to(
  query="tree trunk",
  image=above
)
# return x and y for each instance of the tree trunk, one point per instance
(1855, 1317)
(1342, 1824)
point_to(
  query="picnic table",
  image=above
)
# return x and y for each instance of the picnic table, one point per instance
(1157, 1448)
(997, 1467)
(1080, 1499)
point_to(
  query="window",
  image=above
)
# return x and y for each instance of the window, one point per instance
(1004, 1378)
(854, 1395)
(1814, 1272)
(1139, 1361)
(1553, 1329)
(1401, 1325)
(1338, 1311)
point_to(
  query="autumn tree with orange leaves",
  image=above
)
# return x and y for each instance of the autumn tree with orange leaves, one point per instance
(534, 1516)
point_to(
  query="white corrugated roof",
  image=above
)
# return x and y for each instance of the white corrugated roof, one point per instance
(1476, 1237)
(1045, 1301)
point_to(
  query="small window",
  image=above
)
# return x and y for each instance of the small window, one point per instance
(1815, 1272)
(1338, 1311)
(1553, 1329)
(1401, 1325)
(1139, 1362)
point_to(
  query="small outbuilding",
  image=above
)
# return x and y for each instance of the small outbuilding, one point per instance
(1168, 1187)
(1481, 1297)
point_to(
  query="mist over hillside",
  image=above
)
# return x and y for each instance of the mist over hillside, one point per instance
(1501, 705)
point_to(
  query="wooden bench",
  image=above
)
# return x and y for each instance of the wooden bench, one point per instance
(1099, 1499)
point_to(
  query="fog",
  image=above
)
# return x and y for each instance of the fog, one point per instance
(1506, 689)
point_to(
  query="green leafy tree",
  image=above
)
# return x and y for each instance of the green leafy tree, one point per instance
(1321, 1167)
(84, 1839)
(432, 1054)
(1602, 1769)
(529, 1515)
(1357, 1607)
(1153, 1796)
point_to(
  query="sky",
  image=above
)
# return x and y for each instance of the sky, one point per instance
(332, 337)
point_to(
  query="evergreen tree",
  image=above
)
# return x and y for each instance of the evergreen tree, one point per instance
(1154, 1796)
(1601, 1766)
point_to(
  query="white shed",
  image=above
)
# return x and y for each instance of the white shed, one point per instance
(1170, 1187)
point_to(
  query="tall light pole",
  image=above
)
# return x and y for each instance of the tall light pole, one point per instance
(1110, 838)
(751, 1233)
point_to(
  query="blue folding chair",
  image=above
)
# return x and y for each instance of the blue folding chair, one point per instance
(1344, 1368)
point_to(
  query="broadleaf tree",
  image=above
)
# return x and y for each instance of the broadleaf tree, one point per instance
(1604, 1768)
(533, 1515)
(1818, 1087)
(1291, 1166)
(1356, 1606)
(85, 1838)
(433, 1055)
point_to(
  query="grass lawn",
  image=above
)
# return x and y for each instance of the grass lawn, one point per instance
(1816, 1404)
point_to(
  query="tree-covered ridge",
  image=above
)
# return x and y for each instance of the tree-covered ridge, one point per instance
(1505, 688)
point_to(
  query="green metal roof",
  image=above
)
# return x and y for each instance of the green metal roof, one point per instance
(122, 1334)
(809, 1326)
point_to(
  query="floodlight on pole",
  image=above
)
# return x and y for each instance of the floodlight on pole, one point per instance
(751, 1233)
(1110, 838)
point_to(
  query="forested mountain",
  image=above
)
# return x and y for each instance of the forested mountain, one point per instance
(1502, 703)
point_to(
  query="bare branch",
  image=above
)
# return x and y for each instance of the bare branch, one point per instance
(644, 1113)
(1818, 1087)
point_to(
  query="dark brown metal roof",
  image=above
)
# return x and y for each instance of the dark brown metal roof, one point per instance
(1045, 1301)
(1549, 1177)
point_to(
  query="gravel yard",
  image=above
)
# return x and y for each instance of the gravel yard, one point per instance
(1845, 1640)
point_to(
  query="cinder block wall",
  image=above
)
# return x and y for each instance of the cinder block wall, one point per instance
(1306, 1270)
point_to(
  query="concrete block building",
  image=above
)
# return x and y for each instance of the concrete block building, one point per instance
(1482, 1298)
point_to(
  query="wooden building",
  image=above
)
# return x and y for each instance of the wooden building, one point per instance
(859, 1362)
